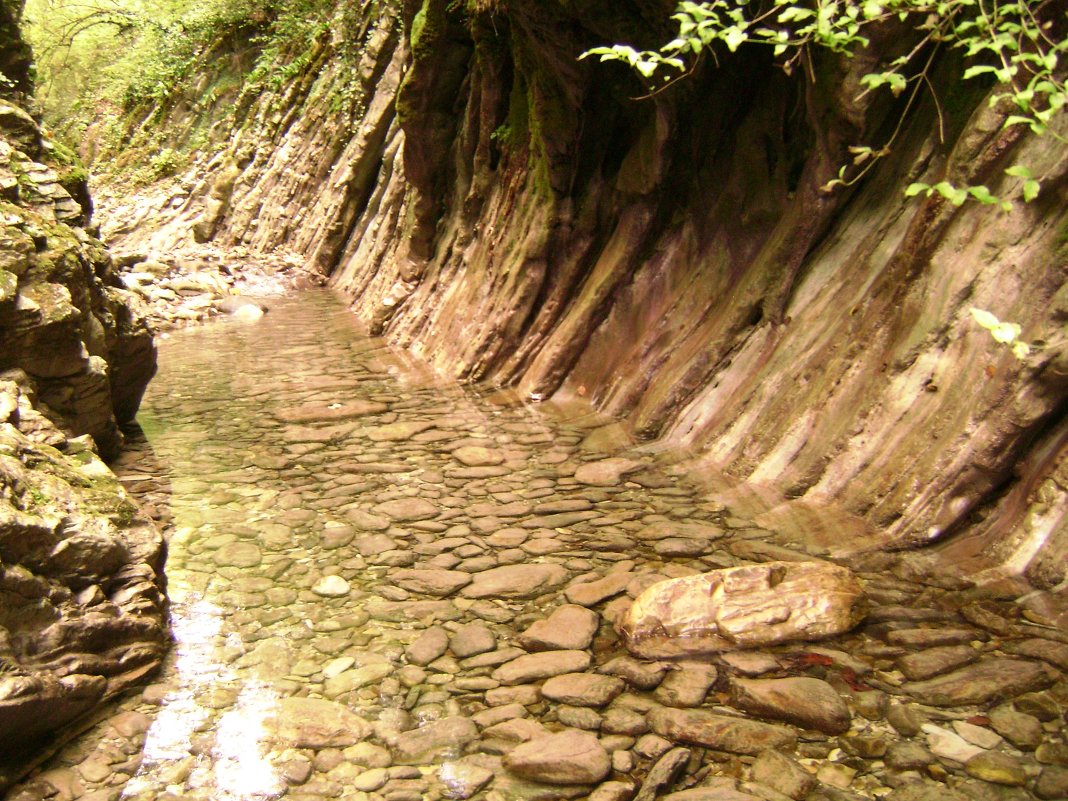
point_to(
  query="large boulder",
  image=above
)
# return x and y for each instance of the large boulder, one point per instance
(743, 607)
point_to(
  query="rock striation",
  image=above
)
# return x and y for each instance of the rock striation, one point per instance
(81, 607)
(513, 214)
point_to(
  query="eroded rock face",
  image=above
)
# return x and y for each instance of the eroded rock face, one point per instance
(81, 612)
(743, 607)
(65, 319)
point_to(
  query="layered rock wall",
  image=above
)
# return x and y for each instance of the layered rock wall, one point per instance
(515, 215)
(81, 609)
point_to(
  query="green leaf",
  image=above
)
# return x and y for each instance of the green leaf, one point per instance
(983, 195)
(1019, 171)
(1031, 188)
(914, 189)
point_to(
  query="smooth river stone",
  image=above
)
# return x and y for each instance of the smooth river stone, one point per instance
(544, 665)
(440, 738)
(315, 413)
(477, 456)
(315, 723)
(720, 732)
(331, 587)
(407, 509)
(397, 432)
(431, 582)
(988, 680)
(516, 581)
(582, 689)
(569, 627)
(606, 472)
(567, 757)
(742, 607)
(806, 702)
(238, 554)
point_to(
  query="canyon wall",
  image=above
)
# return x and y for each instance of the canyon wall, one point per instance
(81, 610)
(515, 215)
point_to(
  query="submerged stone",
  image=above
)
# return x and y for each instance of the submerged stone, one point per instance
(743, 607)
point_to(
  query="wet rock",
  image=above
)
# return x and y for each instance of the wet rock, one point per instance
(710, 794)
(592, 593)
(582, 689)
(515, 581)
(431, 644)
(904, 719)
(720, 732)
(639, 675)
(948, 744)
(663, 773)
(477, 456)
(936, 661)
(331, 587)
(686, 685)
(315, 723)
(809, 703)
(1052, 783)
(998, 768)
(439, 739)
(238, 554)
(569, 627)
(406, 510)
(985, 681)
(1022, 730)
(743, 607)
(750, 663)
(568, 757)
(471, 640)
(431, 582)
(782, 774)
(543, 665)
(613, 791)
(1056, 653)
(462, 779)
(606, 472)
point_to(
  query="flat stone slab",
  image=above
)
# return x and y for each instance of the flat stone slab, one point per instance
(985, 681)
(478, 456)
(438, 739)
(806, 702)
(568, 757)
(583, 689)
(431, 582)
(606, 472)
(569, 627)
(590, 593)
(936, 661)
(721, 732)
(407, 509)
(398, 432)
(317, 413)
(743, 607)
(544, 665)
(516, 581)
(315, 723)
(238, 554)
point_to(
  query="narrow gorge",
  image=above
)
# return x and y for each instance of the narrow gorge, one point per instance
(559, 436)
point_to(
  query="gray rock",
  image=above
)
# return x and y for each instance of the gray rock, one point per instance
(472, 640)
(1022, 730)
(936, 661)
(687, 685)
(664, 772)
(582, 689)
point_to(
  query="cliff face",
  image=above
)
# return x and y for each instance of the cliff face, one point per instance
(514, 215)
(81, 612)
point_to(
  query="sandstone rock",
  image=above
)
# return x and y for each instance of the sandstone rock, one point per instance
(477, 456)
(591, 593)
(936, 661)
(987, 680)
(1022, 730)
(315, 723)
(471, 640)
(809, 703)
(431, 582)
(686, 685)
(515, 581)
(782, 774)
(438, 739)
(998, 768)
(582, 689)
(743, 607)
(534, 667)
(721, 732)
(569, 627)
(407, 509)
(431, 644)
(331, 587)
(568, 757)
(606, 472)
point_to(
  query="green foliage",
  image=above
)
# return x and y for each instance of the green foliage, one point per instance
(1003, 41)
(1004, 333)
